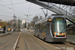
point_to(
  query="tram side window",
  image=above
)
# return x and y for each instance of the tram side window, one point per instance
(48, 27)
(40, 30)
(36, 28)
(44, 27)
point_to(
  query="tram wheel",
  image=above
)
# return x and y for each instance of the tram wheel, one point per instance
(38, 36)
(34, 35)
(44, 39)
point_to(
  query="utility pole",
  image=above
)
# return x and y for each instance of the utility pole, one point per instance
(14, 26)
(25, 24)
(18, 24)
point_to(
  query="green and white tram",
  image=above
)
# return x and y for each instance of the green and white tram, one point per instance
(51, 29)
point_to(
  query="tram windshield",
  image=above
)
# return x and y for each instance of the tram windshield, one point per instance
(59, 26)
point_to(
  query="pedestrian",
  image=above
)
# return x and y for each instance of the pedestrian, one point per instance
(4, 29)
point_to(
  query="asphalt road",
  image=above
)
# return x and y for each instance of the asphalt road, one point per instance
(29, 42)
(7, 42)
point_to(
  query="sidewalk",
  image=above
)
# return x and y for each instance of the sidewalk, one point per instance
(71, 39)
(9, 42)
(3, 34)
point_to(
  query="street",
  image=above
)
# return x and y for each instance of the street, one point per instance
(28, 41)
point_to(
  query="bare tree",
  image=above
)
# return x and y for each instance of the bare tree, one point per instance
(35, 19)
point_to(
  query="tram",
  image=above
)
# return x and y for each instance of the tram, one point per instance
(52, 28)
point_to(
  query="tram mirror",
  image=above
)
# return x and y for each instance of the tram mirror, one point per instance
(49, 20)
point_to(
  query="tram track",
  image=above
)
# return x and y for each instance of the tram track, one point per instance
(73, 45)
(30, 37)
(62, 46)
(26, 48)
(42, 43)
(38, 43)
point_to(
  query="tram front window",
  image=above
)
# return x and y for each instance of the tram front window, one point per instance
(59, 26)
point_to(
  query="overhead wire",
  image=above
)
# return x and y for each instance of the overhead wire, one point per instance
(29, 9)
(5, 12)
(28, 12)
(16, 10)
(12, 7)
(17, 3)
(6, 7)
(4, 15)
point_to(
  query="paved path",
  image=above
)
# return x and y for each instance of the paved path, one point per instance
(7, 42)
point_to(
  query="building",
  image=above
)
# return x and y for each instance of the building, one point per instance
(23, 23)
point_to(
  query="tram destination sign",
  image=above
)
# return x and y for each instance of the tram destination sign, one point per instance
(59, 19)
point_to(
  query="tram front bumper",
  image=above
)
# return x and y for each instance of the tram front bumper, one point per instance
(58, 39)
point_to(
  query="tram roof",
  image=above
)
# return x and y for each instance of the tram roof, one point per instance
(51, 16)
(42, 20)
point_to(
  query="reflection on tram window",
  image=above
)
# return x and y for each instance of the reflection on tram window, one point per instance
(59, 26)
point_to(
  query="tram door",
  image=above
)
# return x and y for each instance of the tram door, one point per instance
(35, 30)
(48, 30)
(38, 30)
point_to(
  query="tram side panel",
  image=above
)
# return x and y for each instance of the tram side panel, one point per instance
(43, 30)
(36, 31)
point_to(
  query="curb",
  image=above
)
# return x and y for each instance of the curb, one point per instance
(69, 41)
(14, 48)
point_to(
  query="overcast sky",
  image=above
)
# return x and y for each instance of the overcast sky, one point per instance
(21, 9)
